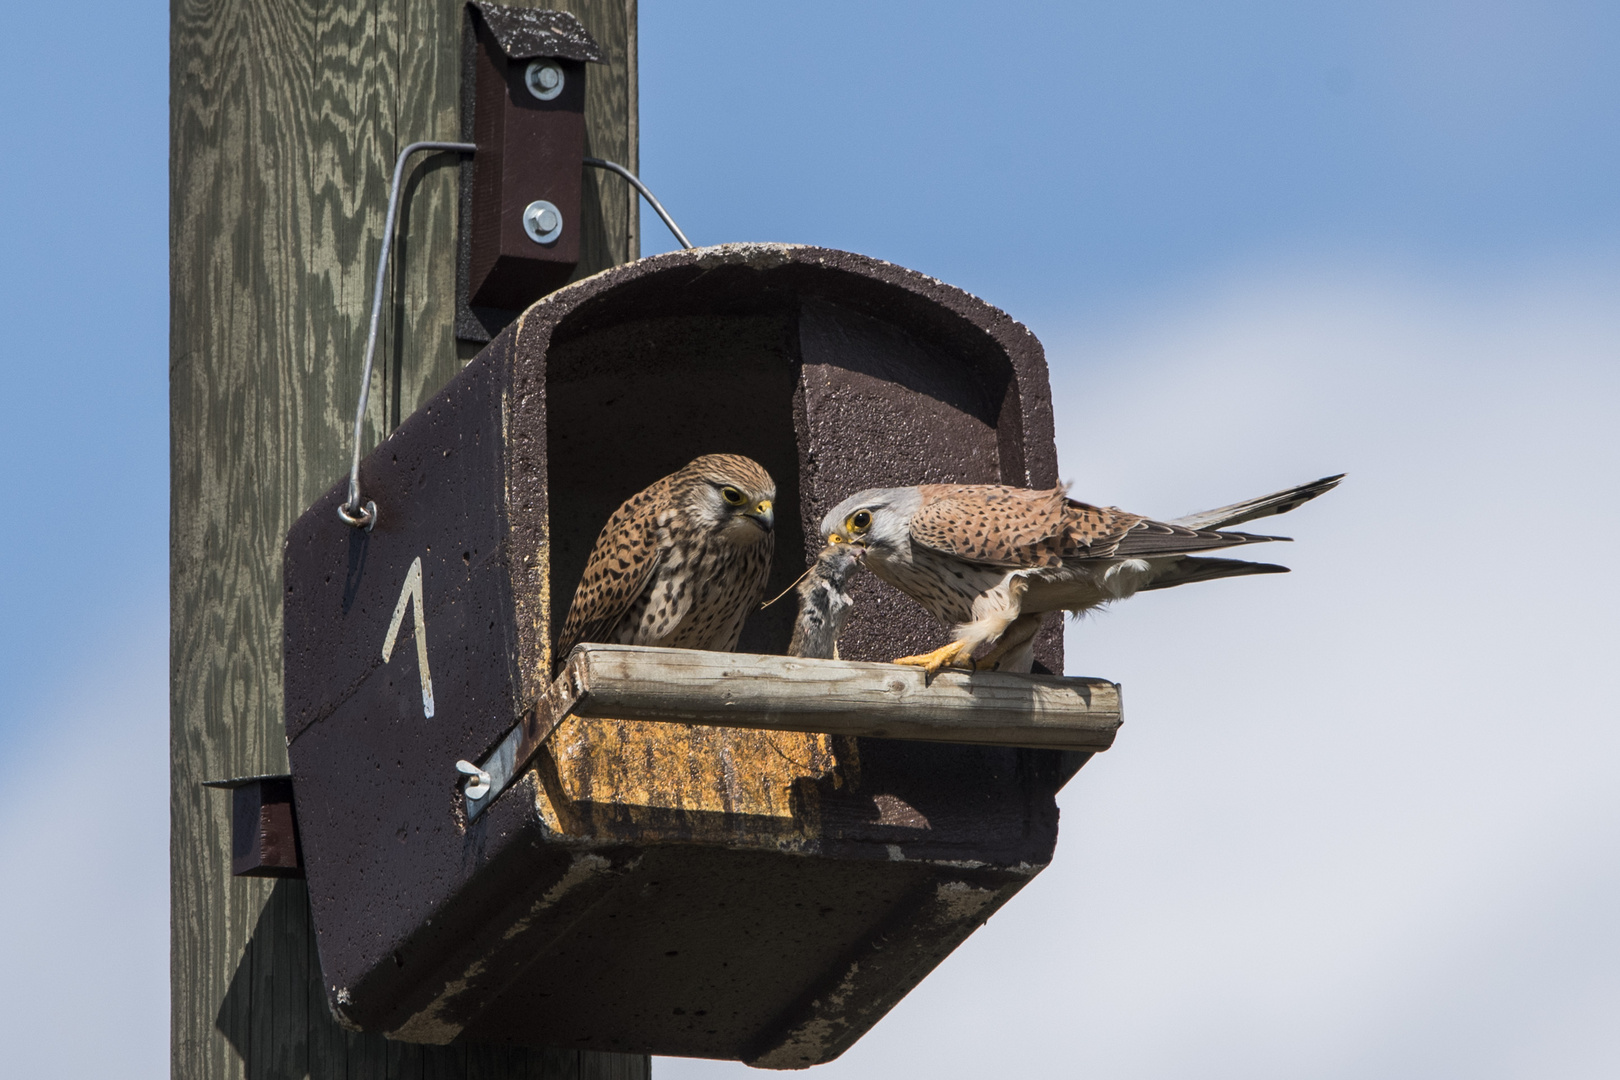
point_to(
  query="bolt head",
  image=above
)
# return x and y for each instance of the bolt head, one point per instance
(542, 221)
(544, 78)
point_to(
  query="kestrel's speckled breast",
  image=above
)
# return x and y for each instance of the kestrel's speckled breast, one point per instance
(701, 593)
(944, 585)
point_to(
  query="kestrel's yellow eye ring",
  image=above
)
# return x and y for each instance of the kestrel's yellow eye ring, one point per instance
(732, 495)
(859, 521)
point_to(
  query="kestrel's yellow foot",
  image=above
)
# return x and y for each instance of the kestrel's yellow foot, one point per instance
(941, 657)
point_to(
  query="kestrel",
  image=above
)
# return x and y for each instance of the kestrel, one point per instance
(682, 563)
(992, 559)
(824, 601)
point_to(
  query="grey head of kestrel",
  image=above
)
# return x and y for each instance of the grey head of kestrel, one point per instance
(991, 559)
(681, 563)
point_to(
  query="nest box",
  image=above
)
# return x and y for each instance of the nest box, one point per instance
(641, 886)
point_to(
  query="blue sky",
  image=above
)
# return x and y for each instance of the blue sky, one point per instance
(1062, 158)
(84, 415)
(1262, 241)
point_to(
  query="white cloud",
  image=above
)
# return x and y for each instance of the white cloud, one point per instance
(84, 868)
(1360, 822)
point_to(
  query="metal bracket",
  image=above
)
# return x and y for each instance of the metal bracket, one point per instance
(496, 772)
(523, 103)
(264, 826)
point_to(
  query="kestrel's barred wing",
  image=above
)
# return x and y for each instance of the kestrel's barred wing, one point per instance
(995, 525)
(992, 524)
(616, 573)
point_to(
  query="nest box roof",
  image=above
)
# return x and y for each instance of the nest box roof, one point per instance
(525, 33)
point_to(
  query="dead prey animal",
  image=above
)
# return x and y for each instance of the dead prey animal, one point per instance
(824, 601)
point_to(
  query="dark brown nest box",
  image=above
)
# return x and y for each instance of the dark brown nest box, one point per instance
(652, 887)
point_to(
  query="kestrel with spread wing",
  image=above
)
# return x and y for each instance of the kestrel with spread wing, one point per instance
(680, 564)
(992, 559)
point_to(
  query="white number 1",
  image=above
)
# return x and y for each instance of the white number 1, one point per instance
(412, 593)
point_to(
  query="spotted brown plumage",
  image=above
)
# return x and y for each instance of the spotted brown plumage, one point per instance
(991, 559)
(681, 563)
(1008, 526)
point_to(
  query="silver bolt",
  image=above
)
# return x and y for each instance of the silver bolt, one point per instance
(542, 221)
(544, 78)
(477, 780)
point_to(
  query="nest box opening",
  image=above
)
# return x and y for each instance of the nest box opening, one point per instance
(803, 383)
(633, 401)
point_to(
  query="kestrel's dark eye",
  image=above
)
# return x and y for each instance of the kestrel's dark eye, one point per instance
(733, 496)
(860, 521)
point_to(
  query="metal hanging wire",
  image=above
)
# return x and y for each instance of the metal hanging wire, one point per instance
(652, 201)
(364, 515)
(353, 512)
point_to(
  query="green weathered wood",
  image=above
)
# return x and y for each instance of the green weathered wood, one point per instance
(285, 118)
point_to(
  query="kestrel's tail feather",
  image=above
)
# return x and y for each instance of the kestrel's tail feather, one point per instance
(1188, 570)
(1279, 502)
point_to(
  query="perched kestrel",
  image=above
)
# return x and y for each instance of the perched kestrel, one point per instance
(992, 559)
(682, 563)
(824, 601)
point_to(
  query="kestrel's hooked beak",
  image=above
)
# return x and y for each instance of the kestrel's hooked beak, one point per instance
(763, 515)
(834, 538)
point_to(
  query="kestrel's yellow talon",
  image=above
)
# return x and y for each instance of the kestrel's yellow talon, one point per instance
(941, 657)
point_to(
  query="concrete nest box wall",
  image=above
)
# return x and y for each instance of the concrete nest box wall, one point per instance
(660, 888)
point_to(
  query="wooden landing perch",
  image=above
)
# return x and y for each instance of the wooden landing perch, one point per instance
(841, 697)
(787, 693)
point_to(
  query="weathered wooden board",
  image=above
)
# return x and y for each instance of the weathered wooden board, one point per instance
(764, 692)
(840, 697)
(285, 119)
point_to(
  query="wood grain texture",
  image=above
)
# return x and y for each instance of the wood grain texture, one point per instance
(841, 697)
(610, 208)
(284, 122)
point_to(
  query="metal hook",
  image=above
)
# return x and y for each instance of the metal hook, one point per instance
(352, 512)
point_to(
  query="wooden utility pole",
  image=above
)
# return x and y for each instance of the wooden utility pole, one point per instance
(285, 119)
